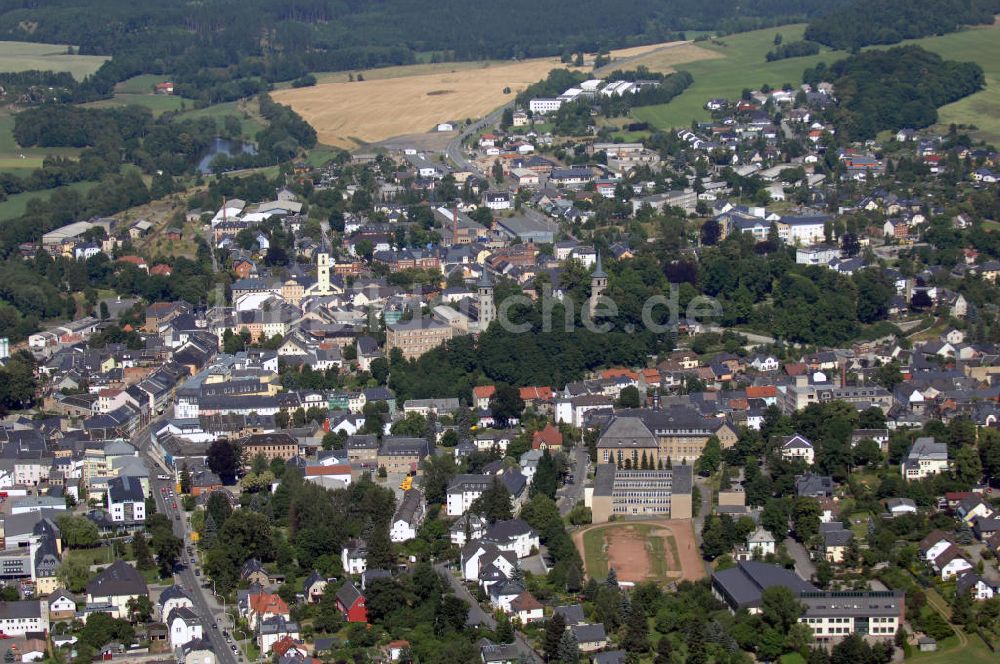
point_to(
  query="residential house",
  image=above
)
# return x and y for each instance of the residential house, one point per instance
(351, 603)
(110, 591)
(798, 447)
(925, 458)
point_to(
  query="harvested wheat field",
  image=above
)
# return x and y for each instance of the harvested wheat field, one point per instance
(667, 57)
(354, 113)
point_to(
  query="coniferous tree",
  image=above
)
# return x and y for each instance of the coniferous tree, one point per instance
(569, 651)
(553, 635)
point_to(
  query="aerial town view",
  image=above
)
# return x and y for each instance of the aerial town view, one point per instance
(523, 332)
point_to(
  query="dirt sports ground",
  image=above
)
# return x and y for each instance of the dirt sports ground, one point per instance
(662, 551)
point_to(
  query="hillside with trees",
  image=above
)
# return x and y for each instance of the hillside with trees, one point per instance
(862, 23)
(896, 88)
(218, 51)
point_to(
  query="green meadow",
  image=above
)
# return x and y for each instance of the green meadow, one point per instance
(25, 56)
(743, 65)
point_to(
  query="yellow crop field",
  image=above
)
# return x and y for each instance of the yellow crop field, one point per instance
(415, 98)
(666, 58)
(347, 114)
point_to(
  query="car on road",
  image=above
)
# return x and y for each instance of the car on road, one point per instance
(174, 505)
(197, 572)
(234, 647)
(225, 633)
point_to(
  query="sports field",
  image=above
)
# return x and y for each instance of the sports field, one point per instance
(25, 56)
(660, 551)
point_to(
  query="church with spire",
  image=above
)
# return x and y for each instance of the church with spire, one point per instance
(474, 312)
(598, 284)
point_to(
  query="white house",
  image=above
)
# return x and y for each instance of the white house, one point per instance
(473, 523)
(408, 517)
(463, 491)
(172, 598)
(765, 363)
(477, 556)
(18, 618)
(126, 500)
(110, 591)
(950, 562)
(62, 605)
(275, 629)
(926, 458)
(184, 625)
(526, 608)
(513, 535)
(798, 447)
(979, 588)
(354, 557)
(498, 200)
(761, 543)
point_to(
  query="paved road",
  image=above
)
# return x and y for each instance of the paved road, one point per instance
(477, 616)
(184, 575)
(204, 604)
(570, 494)
(456, 153)
(804, 565)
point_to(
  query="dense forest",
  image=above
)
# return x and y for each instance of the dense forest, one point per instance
(222, 50)
(895, 88)
(861, 22)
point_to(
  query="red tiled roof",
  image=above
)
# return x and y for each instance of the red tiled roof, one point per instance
(761, 391)
(550, 436)
(619, 371)
(536, 393)
(484, 391)
(319, 471)
(795, 368)
(262, 603)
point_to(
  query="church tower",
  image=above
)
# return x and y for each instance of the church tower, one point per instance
(487, 308)
(323, 273)
(598, 283)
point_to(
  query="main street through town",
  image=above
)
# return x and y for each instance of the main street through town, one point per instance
(205, 604)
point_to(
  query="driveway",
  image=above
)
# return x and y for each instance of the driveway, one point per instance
(477, 616)
(569, 495)
(804, 566)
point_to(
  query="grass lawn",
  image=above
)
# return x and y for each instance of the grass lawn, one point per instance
(951, 650)
(100, 555)
(25, 56)
(15, 205)
(11, 153)
(140, 85)
(248, 118)
(791, 658)
(156, 103)
(321, 154)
